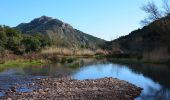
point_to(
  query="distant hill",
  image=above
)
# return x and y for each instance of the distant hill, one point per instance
(62, 34)
(150, 42)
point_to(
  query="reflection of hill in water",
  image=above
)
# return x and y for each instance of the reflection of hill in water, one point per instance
(161, 94)
(158, 73)
(58, 69)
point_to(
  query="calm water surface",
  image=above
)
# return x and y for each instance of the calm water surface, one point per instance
(154, 79)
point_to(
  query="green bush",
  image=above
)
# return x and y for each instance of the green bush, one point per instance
(19, 43)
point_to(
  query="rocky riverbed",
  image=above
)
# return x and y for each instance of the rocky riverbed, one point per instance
(70, 89)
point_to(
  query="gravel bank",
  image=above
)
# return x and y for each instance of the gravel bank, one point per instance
(70, 89)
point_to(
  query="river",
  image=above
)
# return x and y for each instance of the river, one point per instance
(153, 78)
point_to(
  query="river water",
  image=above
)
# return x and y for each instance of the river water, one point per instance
(153, 78)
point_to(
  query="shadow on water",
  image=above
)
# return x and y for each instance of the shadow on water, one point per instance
(154, 79)
(159, 74)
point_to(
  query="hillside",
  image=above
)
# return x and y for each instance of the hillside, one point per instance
(62, 34)
(150, 42)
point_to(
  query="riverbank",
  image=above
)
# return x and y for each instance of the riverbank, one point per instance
(70, 89)
(37, 58)
(137, 61)
(21, 62)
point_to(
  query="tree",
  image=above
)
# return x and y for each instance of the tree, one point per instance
(1, 48)
(35, 44)
(166, 6)
(13, 39)
(19, 43)
(154, 12)
(3, 37)
(31, 43)
(3, 42)
(45, 41)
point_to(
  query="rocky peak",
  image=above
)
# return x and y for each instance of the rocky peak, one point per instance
(42, 20)
(45, 18)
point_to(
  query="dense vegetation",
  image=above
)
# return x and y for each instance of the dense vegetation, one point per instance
(150, 42)
(19, 43)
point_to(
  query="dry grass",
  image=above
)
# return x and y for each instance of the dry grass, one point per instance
(59, 51)
(71, 51)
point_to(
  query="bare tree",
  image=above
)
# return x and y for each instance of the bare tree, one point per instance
(154, 12)
(166, 6)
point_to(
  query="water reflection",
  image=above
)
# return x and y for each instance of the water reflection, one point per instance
(153, 89)
(153, 78)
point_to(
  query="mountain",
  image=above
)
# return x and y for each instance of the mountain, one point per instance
(62, 34)
(150, 42)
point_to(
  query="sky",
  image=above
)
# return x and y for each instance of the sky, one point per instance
(106, 19)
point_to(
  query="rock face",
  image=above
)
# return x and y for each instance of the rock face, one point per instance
(69, 89)
(62, 34)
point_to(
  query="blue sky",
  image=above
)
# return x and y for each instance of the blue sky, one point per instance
(107, 19)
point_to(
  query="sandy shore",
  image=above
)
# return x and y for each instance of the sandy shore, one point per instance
(70, 89)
